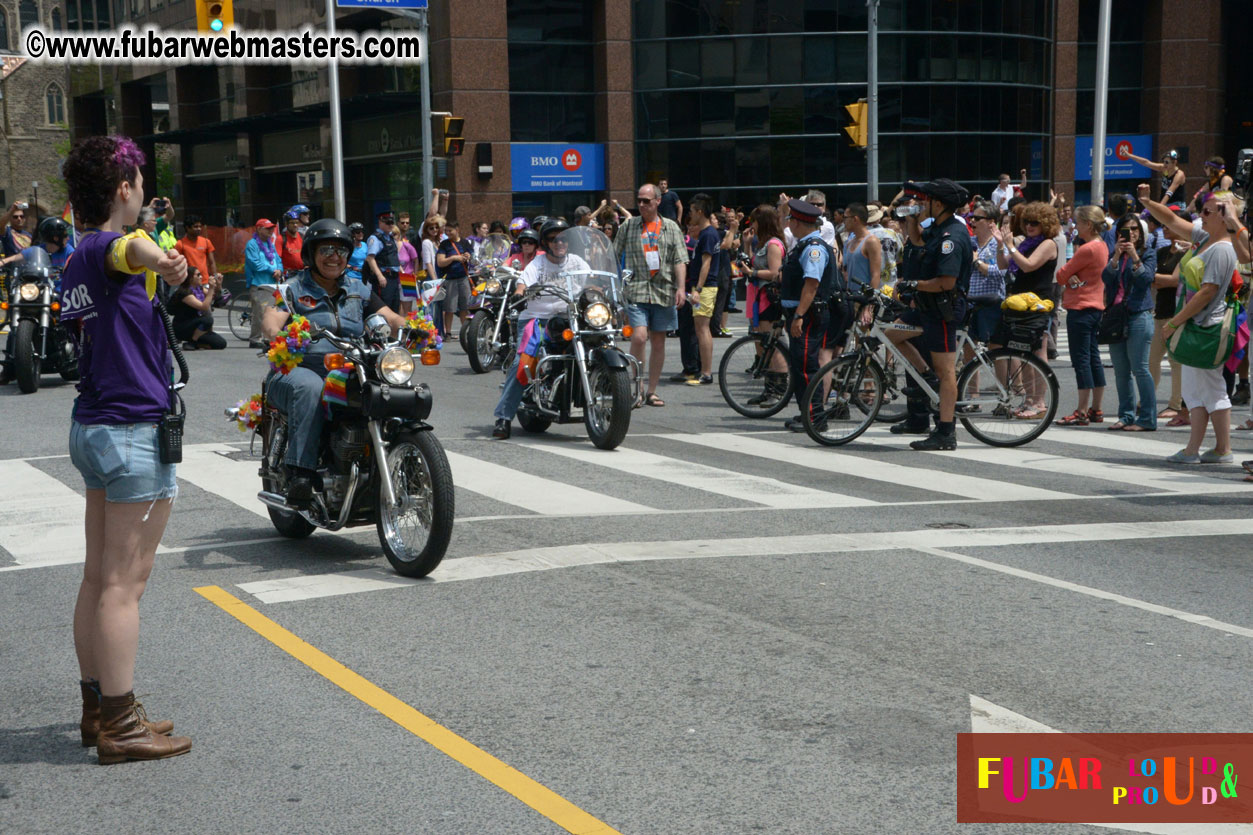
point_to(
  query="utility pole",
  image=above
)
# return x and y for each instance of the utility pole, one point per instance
(1102, 102)
(337, 133)
(872, 102)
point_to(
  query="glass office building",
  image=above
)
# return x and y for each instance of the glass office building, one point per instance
(746, 99)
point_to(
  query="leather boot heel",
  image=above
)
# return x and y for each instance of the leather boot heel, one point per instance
(125, 736)
(89, 726)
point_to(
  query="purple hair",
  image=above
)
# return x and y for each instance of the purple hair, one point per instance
(126, 154)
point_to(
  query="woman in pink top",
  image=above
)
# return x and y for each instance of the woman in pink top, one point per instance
(1083, 296)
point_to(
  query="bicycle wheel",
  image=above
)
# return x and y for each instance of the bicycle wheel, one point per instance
(1006, 397)
(239, 316)
(894, 408)
(746, 380)
(851, 402)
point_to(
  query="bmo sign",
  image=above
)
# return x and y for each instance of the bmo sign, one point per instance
(1118, 162)
(558, 167)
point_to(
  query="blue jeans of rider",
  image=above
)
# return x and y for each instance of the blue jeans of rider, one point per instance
(299, 396)
(1131, 372)
(1082, 329)
(511, 397)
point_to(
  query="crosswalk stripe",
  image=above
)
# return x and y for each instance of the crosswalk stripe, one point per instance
(206, 466)
(769, 492)
(26, 531)
(831, 461)
(1141, 478)
(1116, 441)
(539, 495)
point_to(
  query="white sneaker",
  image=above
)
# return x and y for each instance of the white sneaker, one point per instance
(1183, 457)
(1211, 456)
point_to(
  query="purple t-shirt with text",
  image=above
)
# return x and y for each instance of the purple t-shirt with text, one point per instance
(122, 346)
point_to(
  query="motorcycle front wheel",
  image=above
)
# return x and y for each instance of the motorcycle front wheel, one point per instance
(477, 341)
(608, 416)
(25, 361)
(415, 533)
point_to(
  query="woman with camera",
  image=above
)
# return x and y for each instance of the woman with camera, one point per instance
(1128, 323)
(1205, 277)
(192, 304)
(116, 438)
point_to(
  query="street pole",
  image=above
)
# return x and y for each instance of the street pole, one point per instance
(337, 134)
(1102, 99)
(428, 164)
(872, 102)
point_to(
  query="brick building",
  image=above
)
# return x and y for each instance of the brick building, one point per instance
(34, 110)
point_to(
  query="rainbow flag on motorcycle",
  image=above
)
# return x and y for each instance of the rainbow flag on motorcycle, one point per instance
(409, 287)
(335, 389)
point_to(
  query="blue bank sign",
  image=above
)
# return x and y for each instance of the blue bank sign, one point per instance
(1118, 166)
(383, 4)
(557, 167)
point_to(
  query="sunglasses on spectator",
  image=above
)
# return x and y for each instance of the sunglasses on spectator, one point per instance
(980, 217)
(18, 216)
(329, 250)
(643, 200)
(1031, 223)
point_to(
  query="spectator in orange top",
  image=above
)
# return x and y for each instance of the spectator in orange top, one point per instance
(1083, 296)
(198, 249)
(290, 244)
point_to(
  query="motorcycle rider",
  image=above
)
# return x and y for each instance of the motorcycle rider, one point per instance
(52, 237)
(325, 295)
(528, 240)
(546, 270)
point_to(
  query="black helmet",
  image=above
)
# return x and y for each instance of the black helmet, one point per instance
(354, 228)
(326, 230)
(539, 221)
(554, 226)
(529, 235)
(53, 230)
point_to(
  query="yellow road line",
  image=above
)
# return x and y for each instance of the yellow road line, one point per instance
(540, 798)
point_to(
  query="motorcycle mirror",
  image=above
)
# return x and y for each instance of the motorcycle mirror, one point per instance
(378, 326)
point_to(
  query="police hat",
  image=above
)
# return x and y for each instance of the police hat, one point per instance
(804, 212)
(945, 190)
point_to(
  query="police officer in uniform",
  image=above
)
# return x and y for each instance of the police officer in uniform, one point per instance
(809, 279)
(383, 261)
(325, 295)
(937, 267)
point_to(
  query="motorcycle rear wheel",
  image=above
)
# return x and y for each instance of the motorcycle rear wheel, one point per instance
(26, 362)
(415, 534)
(290, 525)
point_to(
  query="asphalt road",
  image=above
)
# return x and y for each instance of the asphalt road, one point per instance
(719, 628)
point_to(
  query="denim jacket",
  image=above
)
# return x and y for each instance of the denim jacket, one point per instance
(1138, 293)
(342, 313)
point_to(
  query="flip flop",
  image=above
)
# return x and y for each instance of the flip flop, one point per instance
(1180, 420)
(1246, 427)
(654, 400)
(1135, 427)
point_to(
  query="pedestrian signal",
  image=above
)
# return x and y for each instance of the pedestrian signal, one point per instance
(454, 142)
(857, 130)
(214, 16)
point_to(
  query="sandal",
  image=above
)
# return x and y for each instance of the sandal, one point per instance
(1180, 419)
(1114, 427)
(1096, 416)
(653, 400)
(1168, 412)
(1030, 413)
(1247, 426)
(1076, 418)
(1135, 427)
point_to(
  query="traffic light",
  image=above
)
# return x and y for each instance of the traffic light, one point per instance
(857, 130)
(214, 16)
(454, 142)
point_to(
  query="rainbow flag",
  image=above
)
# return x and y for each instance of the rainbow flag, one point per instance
(335, 390)
(409, 287)
(67, 214)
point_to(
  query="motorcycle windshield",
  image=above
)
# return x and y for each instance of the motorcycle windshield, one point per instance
(35, 263)
(492, 250)
(590, 262)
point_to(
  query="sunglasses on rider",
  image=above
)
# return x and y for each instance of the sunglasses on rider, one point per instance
(329, 250)
(551, 242)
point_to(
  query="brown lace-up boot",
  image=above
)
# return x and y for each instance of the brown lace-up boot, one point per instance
(125, 736)
(90, 724)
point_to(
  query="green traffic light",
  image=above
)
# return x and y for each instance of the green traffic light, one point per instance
(216, 25)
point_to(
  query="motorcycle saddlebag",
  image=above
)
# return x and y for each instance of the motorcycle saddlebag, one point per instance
(380, 401)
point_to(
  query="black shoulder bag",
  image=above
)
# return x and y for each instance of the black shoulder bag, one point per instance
(1116, 319)
(170, 428)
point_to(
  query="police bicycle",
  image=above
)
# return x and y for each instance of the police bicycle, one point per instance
(998, 391)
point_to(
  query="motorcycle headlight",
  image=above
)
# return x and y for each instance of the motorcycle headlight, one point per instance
(29, 292)
(491, 287)
(395, 366)
(597, 315)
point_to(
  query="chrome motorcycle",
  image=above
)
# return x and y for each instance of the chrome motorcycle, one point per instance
(40, 344)
(379, 462)
(580, 373)
(488, 337)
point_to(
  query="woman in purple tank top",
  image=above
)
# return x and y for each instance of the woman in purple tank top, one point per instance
(107, 305)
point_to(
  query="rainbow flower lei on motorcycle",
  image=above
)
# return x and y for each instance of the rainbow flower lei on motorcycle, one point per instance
(422, 331)
(288, 348)
(248, 413)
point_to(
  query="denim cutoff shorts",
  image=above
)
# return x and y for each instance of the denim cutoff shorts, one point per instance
(122, 460)
(655, 317)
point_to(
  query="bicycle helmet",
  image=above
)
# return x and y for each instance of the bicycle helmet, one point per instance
(292, 215)
(300, 209)
(518, 224)
(53, 230)
(552, 228)
(354, 228)
(324, 231)
(529, 234)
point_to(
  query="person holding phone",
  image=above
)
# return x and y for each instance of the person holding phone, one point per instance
(1128, 280)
